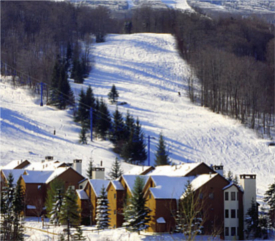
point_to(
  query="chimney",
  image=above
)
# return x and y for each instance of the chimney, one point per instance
(77, 165)
(101, 163)
(218, 169)
(98, 173)
(248, 183)
(48, 158)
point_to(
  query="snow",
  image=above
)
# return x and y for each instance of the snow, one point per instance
(138, 170)
(82, 194)
(97, 185)
(202, 179)
(130, 180)
(148, 73)
(177, 170)
(167, 187)
(117, 185)
(161, 220)
(15, 172)
(36, 176)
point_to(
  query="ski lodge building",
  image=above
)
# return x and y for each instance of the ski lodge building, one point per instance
(224, 204)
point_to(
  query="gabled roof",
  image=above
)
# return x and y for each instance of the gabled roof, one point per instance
(82, 194)
(174, 171)
(140, 170)
(16, 173)
(117, 185)
(97, 184)
(232, 184)
(167, 187)
(36, 176)
(17, 164)
(130, 180)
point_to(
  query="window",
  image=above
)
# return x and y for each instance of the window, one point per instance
(237, 195)
(233, 231)
(238, 213)
(226, 231)
(80, 187)
(114, 211)
(238, 231)
(233, 196)
(226, 213)
(201, 195)
(211, 195)
(226, 196)
(115, 196)
(233, 213)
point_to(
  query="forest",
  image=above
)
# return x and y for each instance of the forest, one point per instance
(231, 59)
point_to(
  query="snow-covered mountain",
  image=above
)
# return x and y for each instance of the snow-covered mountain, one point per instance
(148, 74)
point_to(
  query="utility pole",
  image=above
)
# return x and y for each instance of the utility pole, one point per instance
(91, 123)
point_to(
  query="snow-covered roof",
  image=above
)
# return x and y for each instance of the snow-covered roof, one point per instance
(46, 165)
(117, 185)
(82, 194)
(130, 180)
(161, 220)
(97, 185)
(36, 176)
(138, 170)
(13, 164)
(233, 184)
(56, 173)
(175, 171)
(16, 173)
(167, 187)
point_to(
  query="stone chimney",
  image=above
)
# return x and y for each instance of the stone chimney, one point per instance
(218, 169)
(98, 173)
(77, 165)
(48, 158)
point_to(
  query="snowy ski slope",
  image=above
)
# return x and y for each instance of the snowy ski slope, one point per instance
(148, 74)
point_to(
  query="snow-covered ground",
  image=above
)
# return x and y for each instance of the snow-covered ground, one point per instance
(148, 74)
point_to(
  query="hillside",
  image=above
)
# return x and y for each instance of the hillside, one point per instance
(148, 74)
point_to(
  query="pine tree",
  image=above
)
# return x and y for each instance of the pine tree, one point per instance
(116, 171)
(18, 201)
(79, 234)
(230, 176)
(90, 168)
(251, 220)
(70, 213)
(55, 185)
(161, 156)
(118, 127)
(102, 209)
(89, 100)
(139, 152)
(136, 215)
(83, 134)
(81, 111)
(103, 123)
(236, 180)
(129, 125)
(113, 94)
(56, 207)
(269, 198)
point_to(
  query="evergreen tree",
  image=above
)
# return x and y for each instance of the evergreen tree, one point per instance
(60, 91)
(230, 176)
(136, 215)
(18, 201)
(103, 123)
(236, 180)
(113, 94)
(251, 221)
(128, 149)
(70, 213)
(139, 152)
(161, 156)
(79, 234)
(118, 127)
(269, 198)
(102, 209)
(52, 192)
(129, 125)
(81, 111)
(56, 207)
(83, 134)
(116, 171)
(90, 168)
